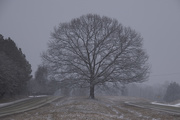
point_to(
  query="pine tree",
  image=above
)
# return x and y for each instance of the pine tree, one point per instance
(15, 70)
(173, 92)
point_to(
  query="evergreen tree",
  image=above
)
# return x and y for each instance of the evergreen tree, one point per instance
(41, 74)
(41, 78)
(173, 92)
(15, 70)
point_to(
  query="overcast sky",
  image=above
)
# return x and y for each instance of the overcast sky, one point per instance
(30, 22)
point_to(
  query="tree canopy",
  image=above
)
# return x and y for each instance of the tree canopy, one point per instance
(93, 50)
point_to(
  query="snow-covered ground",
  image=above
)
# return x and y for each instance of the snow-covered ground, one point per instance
(175, 105)
(83, 108)
(38, 96)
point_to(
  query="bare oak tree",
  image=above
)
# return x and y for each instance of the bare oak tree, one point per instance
(92, 50)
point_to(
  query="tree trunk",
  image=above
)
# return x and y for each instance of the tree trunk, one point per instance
(91, 91)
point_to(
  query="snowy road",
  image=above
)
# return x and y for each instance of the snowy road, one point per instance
(25, 105)
(158, 107)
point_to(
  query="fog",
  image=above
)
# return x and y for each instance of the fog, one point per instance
(30, 22)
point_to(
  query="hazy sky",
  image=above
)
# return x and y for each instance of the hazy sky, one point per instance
(30, 22)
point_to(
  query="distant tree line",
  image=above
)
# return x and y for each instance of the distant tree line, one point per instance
(172, 92)
(41, 84)
(15, 70)
(166, 92)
